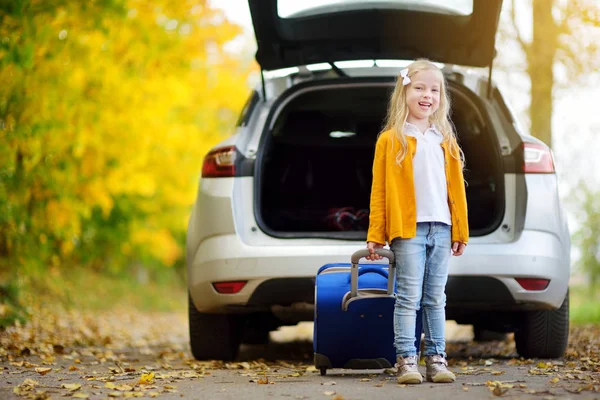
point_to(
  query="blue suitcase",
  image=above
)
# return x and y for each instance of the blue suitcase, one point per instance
(354, 306)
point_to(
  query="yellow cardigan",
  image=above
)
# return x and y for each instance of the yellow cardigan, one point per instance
(393, 211)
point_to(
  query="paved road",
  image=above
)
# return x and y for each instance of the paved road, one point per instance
(281, 370)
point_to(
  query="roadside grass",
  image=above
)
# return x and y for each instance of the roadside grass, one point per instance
(584, 305)
(88, 290)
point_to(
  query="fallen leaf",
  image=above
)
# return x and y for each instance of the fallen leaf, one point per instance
(329, 393)
(554, 380)
(588, 387)
(330, 383)
(263, 381)
(129, 395)
(58, 349)
(71, 386)
(147, 379)
(43, 371)
(25, 388)
(498, 390)
(80, 395)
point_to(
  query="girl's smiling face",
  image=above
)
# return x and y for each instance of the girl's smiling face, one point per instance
(423, 95)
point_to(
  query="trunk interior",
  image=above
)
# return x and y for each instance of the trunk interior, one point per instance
(314, 179)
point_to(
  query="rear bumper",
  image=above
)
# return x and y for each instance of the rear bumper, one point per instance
(481, 279)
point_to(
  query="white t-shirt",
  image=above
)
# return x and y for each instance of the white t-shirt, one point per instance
(429, 175)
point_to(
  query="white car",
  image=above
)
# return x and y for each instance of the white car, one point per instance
(289, 191)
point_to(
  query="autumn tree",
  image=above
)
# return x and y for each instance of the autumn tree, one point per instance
(587, 237)
(106, 110)
(563, 35)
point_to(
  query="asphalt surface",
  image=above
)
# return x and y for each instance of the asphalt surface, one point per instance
(280, 370)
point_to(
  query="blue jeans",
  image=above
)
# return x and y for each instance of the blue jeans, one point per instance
(421, 276)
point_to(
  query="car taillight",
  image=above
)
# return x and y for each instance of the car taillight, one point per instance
(230, 287)
(537, 159)
(219, 163)
(533, 283)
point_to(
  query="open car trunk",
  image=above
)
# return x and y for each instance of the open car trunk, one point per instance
(314, 169)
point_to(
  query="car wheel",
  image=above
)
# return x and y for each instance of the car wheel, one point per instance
(483, 335)
(544, 334)
(214, 336)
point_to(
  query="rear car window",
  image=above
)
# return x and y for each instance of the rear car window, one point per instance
(295, 8)
(248, 108)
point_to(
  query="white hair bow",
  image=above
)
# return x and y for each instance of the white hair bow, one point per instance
(405, 78)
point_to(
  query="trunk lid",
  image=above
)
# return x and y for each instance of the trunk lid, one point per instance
(456, 32)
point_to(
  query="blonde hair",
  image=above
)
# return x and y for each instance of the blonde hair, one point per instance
(397, 113)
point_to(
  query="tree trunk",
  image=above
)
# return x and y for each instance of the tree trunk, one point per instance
(540, 59)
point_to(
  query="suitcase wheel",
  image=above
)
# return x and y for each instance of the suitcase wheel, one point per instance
(323, 371)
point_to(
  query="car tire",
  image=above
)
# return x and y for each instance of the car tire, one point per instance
(214, 336)
(483, 335)
(544, 334)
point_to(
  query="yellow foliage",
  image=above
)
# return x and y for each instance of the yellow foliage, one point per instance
(159, 243)
(59, 213)
(111, 109)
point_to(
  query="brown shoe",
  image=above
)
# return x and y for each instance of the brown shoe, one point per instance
(437, 370)
(408, 371)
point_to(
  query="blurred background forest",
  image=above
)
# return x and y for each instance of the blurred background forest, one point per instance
(107, 108)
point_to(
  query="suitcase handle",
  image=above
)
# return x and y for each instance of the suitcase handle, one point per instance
(365, 252)
(354, 269)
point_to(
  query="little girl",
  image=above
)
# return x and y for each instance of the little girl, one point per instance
(419, 206)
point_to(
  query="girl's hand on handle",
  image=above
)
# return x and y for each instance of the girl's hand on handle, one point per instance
(372, 246)
(458, 248)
